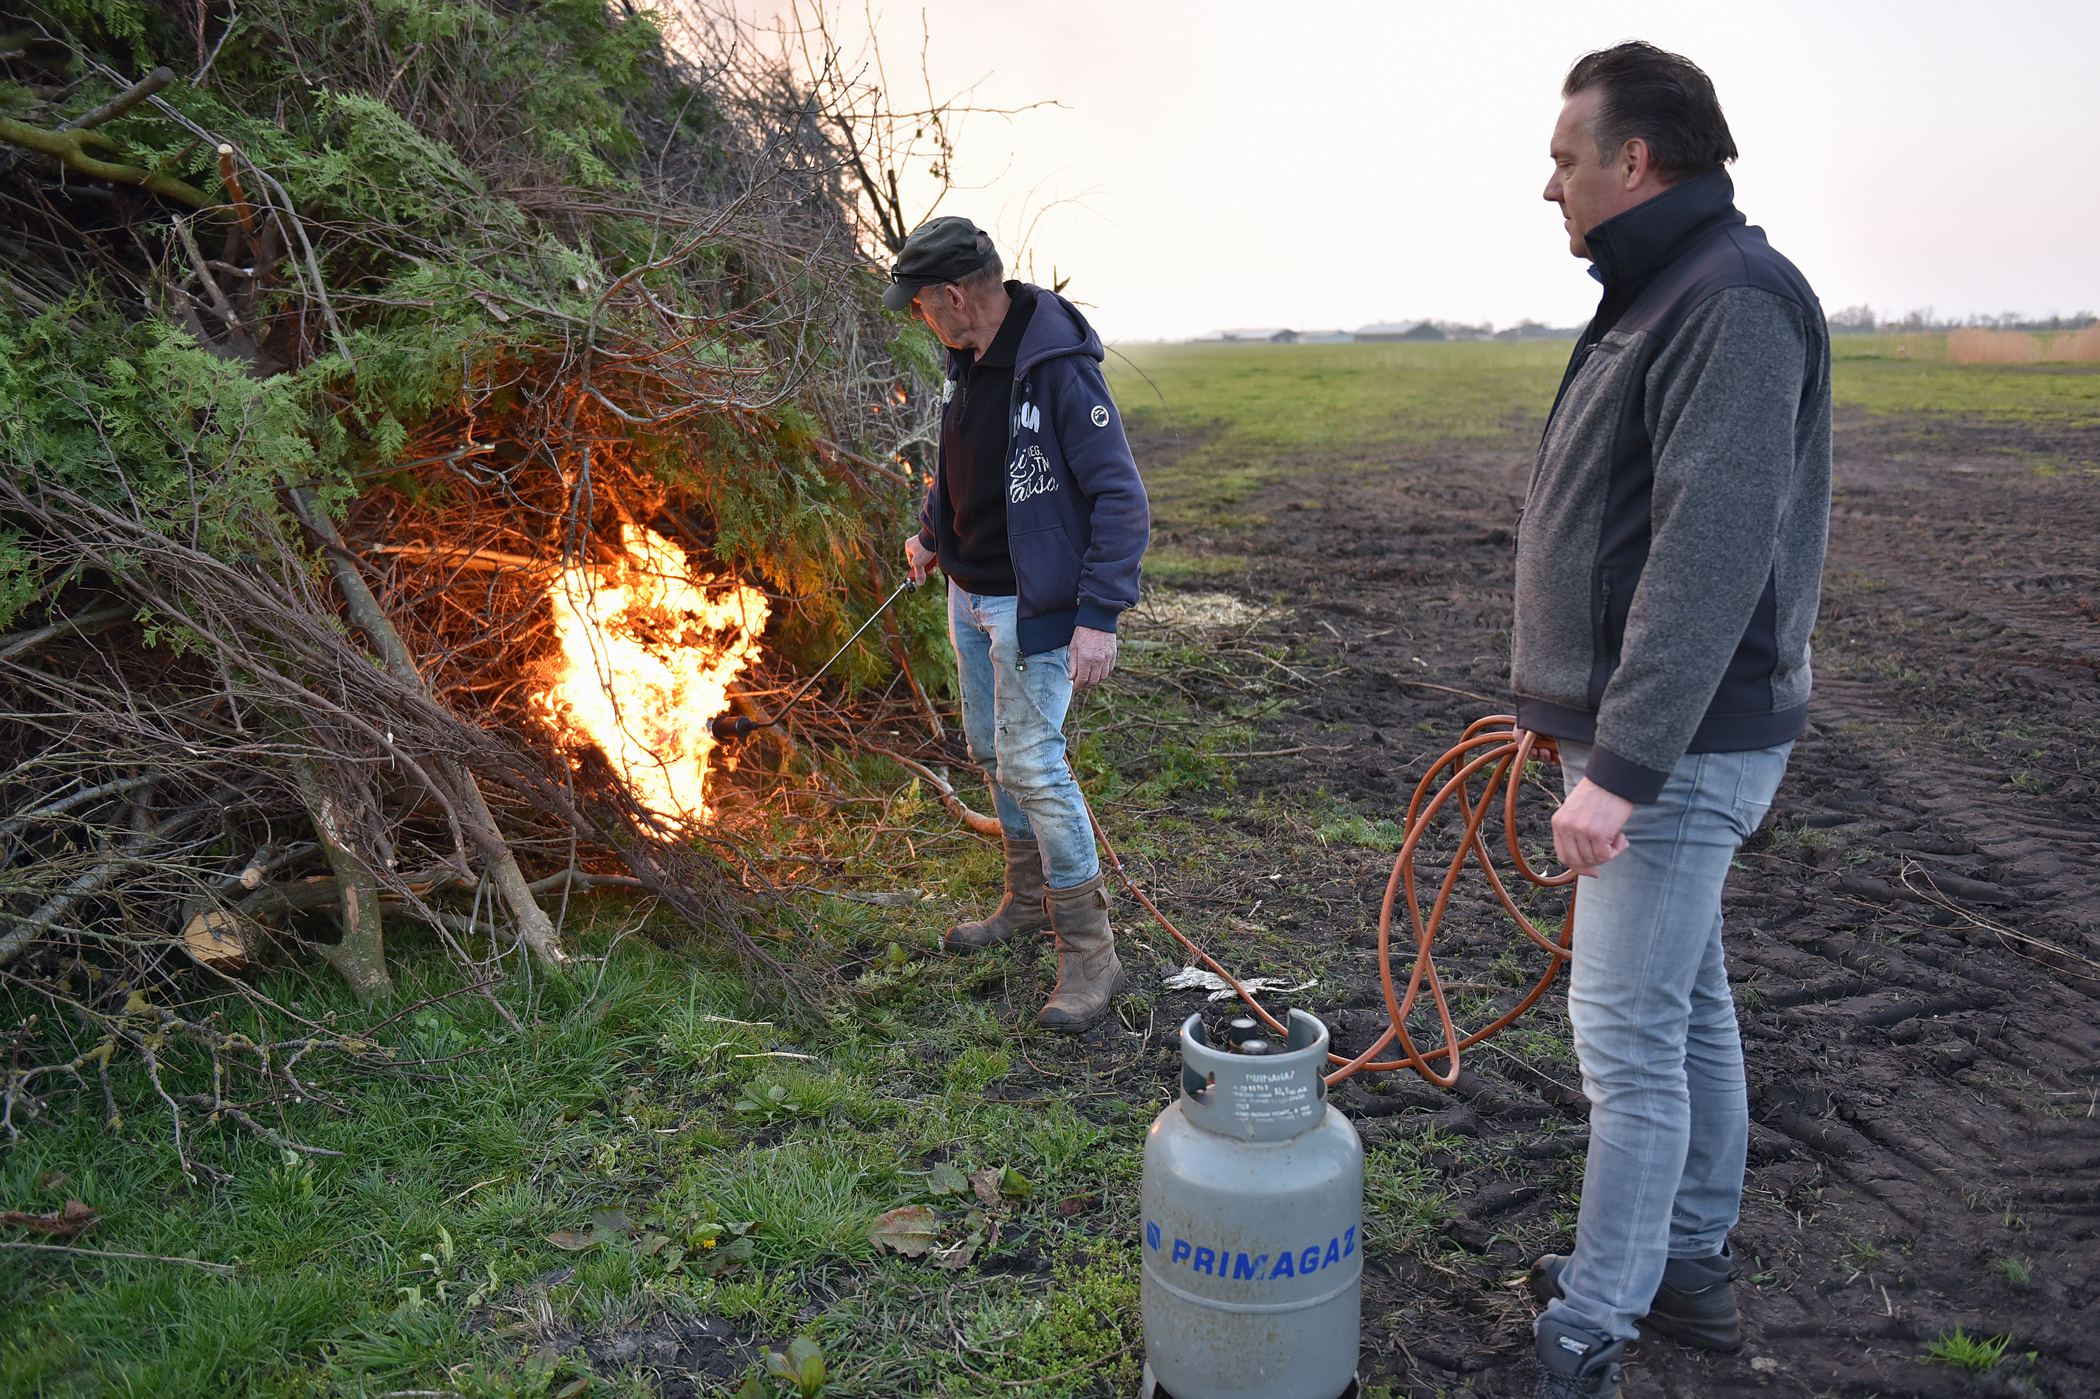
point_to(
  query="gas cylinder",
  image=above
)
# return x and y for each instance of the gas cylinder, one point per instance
(1252, 1212)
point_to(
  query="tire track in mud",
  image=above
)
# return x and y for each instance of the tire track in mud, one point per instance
(1924, 1068)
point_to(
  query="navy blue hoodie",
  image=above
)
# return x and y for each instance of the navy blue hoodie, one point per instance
(1076, 518)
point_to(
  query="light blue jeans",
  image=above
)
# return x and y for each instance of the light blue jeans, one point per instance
(1655, 1032)
(1014, 718)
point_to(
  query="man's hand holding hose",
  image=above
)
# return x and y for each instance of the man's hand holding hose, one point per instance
(1586, 828)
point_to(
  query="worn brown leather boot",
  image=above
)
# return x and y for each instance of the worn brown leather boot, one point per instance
(1089, 974)
(1021, 911)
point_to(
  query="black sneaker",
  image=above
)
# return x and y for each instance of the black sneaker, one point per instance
(1576, 1364)
(1694, 1305)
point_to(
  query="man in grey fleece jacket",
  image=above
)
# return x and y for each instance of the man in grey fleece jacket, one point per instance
(1668, 566)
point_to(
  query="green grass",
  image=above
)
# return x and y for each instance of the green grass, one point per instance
(1910, 374)
(1403, 1200)
(1863, 1256)
(653, 1084)
(1966, 1352)
(1245, 414)
(1382, 835)
(2038, 395)
(352, 1274)
(1339, 397)
(1221, 422)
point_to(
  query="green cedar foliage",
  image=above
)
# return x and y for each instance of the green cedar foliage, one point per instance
(136, 411)
(474, 178)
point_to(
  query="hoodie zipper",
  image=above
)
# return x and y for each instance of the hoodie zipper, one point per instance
(1006, 494)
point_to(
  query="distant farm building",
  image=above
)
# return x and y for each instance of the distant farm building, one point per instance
(1257, 335)
(1324, 337)
(1399, 330)
(1532, 330)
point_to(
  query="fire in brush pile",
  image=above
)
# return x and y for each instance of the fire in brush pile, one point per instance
(647, 655)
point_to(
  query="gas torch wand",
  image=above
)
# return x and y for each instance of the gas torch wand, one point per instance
(737, 726)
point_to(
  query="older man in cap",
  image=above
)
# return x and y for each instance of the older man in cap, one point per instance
(1037, 516)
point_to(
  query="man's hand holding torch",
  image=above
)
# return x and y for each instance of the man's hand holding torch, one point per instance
(918, 559)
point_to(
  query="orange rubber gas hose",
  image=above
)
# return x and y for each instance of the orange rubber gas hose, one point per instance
(1493, 744)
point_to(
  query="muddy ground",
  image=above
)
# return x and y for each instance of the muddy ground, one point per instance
(1909, 934)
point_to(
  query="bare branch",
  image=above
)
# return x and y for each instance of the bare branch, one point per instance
(123, 102)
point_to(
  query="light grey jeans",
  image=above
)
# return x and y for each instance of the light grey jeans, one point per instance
(1655, 1031)
(1014, 718)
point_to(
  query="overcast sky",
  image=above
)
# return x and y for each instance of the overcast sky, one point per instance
(1329, 164)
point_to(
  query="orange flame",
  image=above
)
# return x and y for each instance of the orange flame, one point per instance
(647, 657)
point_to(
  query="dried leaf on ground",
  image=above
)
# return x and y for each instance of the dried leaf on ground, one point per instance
(73, 1219)
(986, 1184)
(607, 1227)
(947, 1180)
(908, 1229)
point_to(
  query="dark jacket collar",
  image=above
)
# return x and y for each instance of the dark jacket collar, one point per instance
(1628, 250)
(1054, 329)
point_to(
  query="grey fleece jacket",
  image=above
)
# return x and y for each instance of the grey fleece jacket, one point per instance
(1670, 556)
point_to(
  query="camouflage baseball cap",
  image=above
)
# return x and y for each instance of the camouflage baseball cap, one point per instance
(939, 250)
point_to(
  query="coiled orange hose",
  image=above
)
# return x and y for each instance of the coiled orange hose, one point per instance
(1491, 743)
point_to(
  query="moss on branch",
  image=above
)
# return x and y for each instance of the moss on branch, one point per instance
(70, 149)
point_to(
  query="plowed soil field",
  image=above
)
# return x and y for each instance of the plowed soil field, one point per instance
(1914, 935)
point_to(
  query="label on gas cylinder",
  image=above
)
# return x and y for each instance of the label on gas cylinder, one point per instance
(1273, 1097)
(1192, 1257)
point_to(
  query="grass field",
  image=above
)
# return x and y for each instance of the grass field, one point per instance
(357, 1275)
(2033, 395)
(1232, 417)
(1300, 398)
(652, 1083)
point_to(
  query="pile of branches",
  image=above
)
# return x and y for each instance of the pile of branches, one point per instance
(327, 334)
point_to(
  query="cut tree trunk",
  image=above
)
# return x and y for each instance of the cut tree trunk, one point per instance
(360, 958)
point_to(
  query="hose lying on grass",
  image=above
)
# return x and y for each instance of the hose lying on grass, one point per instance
(1494, 745)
